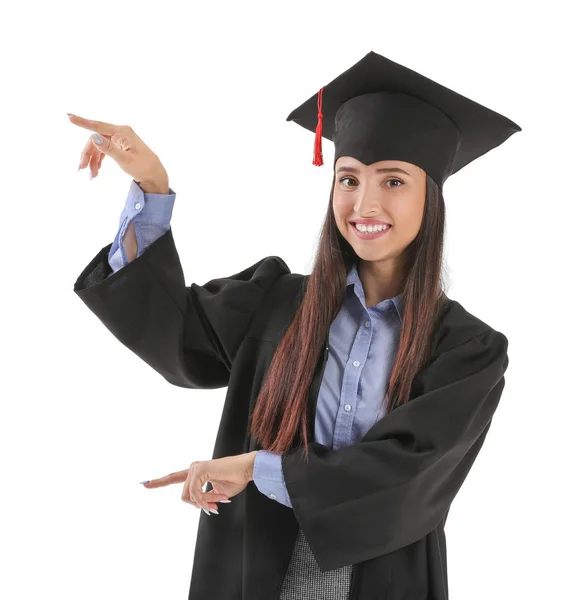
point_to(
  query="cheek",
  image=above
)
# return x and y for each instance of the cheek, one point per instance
(342, 206)
(341, 211)
(407, 211)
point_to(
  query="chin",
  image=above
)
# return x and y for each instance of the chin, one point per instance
(369, 256)
(370, 250)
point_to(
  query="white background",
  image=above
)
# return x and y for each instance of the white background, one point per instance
(208, 87)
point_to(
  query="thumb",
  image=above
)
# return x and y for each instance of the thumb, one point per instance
(106, 145)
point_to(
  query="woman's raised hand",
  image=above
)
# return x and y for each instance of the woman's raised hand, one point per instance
(121, 143)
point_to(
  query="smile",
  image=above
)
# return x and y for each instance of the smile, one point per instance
(369, 235)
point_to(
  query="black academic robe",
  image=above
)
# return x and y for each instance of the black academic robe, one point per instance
(380, 504)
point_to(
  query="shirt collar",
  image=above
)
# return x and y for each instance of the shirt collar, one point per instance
(383, 306)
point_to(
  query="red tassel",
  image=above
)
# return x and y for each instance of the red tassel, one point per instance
(318, 157)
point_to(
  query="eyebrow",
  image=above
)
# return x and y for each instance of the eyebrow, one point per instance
(381, 170)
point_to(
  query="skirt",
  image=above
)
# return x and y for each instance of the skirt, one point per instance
(305, 581)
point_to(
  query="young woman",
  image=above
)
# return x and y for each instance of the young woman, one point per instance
(358, 396)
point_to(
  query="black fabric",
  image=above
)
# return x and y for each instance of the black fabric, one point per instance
(381, 110)
(381, 503)
(395, 485)
(189, 335)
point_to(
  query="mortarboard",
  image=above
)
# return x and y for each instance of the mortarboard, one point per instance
(381, 110)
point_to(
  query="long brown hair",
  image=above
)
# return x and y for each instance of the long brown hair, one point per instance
(280, 410)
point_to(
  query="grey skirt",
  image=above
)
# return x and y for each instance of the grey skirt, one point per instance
(305, 581)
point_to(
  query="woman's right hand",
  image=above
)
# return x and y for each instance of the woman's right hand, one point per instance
(130, 152)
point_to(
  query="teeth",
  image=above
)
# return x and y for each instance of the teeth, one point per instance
(371, 229)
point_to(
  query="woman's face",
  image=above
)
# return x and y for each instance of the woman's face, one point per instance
(392, 191)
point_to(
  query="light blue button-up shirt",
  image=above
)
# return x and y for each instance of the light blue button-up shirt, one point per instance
(363, 343)
(151, 215)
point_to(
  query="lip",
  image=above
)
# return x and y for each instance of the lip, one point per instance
(368, 235)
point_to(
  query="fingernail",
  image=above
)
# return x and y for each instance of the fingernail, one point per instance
(91, 175)
(145, 481)
(225, 501)
(70, 114)
(206, 511)
(214, 511)
(97, 139)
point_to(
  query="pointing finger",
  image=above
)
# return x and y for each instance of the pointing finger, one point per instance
(98, 126)
(178, 477)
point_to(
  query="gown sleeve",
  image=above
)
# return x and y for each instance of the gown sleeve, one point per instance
(395, 486)
(189, 335)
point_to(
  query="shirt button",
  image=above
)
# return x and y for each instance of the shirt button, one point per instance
(356, 363)
(347, 407)
(272, 496)
(367, 323)
(137, 205)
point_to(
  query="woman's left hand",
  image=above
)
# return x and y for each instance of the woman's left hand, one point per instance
(229, 476)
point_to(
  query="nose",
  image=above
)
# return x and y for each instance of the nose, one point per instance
(368, 203)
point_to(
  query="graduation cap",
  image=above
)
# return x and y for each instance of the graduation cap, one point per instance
(380, 110)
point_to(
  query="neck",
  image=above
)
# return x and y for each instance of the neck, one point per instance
(380, 281)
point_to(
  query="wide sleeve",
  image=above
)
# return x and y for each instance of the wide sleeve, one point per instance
(395, 485)
(189, 335)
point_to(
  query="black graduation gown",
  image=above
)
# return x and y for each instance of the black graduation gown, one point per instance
(381, 503)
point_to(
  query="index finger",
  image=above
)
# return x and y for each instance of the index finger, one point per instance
(177, 477)
(98, 126)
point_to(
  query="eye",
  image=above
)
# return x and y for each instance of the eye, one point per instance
(399, 181)
(344, 178)
(396, 179)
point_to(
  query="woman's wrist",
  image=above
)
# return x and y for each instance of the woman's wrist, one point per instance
(251, 456)
(154, 187)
